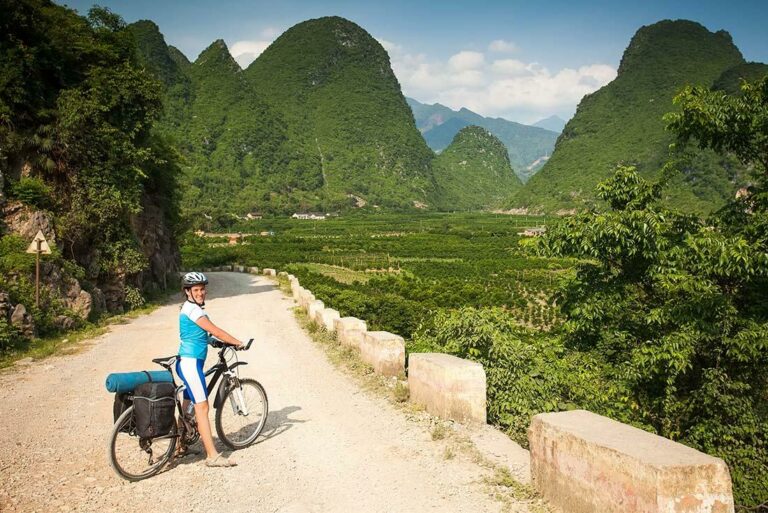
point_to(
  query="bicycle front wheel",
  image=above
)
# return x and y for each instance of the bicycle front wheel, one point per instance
(135, 458)
(242, 414)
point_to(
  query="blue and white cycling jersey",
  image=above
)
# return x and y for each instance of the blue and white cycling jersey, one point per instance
(194, 339)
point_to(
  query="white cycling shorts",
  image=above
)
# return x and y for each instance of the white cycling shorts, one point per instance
(190, 370)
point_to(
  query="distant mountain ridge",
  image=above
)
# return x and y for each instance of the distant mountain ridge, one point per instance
(525, 144)
(554, 123)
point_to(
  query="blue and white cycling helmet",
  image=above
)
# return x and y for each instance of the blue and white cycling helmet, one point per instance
(193, 278)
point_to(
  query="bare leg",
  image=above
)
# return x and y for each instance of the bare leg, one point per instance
(204, 427)
(181, 449)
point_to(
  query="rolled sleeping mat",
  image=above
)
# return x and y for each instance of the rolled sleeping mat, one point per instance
(121, 382)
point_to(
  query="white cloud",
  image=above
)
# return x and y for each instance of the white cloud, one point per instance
(466, 60)
(501, 46)
(245, 52)
(510, 88)
(512, 67)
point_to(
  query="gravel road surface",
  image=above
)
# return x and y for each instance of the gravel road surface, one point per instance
(328, 446)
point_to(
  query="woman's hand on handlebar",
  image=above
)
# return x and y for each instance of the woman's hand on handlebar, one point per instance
(244, 347)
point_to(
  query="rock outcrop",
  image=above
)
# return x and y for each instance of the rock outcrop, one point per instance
(26, 221)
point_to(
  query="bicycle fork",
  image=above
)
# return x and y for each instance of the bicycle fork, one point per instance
(237, 400)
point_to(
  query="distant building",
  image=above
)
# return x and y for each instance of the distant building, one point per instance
(317, 216)
(533, 232)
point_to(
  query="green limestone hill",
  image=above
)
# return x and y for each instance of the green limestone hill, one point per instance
(731, 79)
(622, 121)
(474, 172)
(154, 54)
(234, 145)
(333, 84)
(528, 146)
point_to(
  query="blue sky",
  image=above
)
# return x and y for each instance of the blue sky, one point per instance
(522, 60)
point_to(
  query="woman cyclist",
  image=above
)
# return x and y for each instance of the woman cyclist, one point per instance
(194, 327)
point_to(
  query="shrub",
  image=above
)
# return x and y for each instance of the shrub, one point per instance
(32, 191)
(133, 298)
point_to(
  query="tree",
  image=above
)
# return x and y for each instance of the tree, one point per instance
(676, 305)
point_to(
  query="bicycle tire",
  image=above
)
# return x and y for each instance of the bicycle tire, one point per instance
(124, 449)
(239, 433)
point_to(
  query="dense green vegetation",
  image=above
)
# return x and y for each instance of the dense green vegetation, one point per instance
(525, 144)
(473, 173)
(622, 123)
(676, 305)
(76, 141)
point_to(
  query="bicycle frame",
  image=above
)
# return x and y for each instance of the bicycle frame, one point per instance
(221, 368)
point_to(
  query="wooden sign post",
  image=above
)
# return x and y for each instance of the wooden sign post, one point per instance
(38, 246)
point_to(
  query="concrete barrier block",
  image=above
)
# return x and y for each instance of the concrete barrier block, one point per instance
(269, 272)
(326, 318)
(313, 308)
(344, 327)
(306, 298)
(585, 463)
(292, 278)
(253, 270)
(296, 291)
(384, 351)
(351, 338)
(447, 386)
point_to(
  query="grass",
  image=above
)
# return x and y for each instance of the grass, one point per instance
(439, 431)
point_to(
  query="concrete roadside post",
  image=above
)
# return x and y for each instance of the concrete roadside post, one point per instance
(349, 331)
(383, 351)
(447, 386)
(582, 462)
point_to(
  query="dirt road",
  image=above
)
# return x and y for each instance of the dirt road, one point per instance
(327, 446)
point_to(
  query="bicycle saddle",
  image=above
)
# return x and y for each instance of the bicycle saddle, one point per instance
(166, 362)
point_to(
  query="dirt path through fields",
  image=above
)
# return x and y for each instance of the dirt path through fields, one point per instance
(327, 447)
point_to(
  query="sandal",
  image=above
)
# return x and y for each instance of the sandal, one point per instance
(219, 461)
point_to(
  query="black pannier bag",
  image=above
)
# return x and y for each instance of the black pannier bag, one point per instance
(153, 409)
(122, 403)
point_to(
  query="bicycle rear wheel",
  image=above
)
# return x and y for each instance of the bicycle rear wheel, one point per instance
(242, 414)
(135, 458)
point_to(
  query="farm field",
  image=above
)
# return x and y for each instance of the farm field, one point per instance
(396, 270)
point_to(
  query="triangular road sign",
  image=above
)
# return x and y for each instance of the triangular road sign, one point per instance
(44, 248)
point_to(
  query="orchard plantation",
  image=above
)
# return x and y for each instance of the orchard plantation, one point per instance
(646, 304)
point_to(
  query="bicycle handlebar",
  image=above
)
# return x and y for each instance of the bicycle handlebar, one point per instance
(218, 343)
